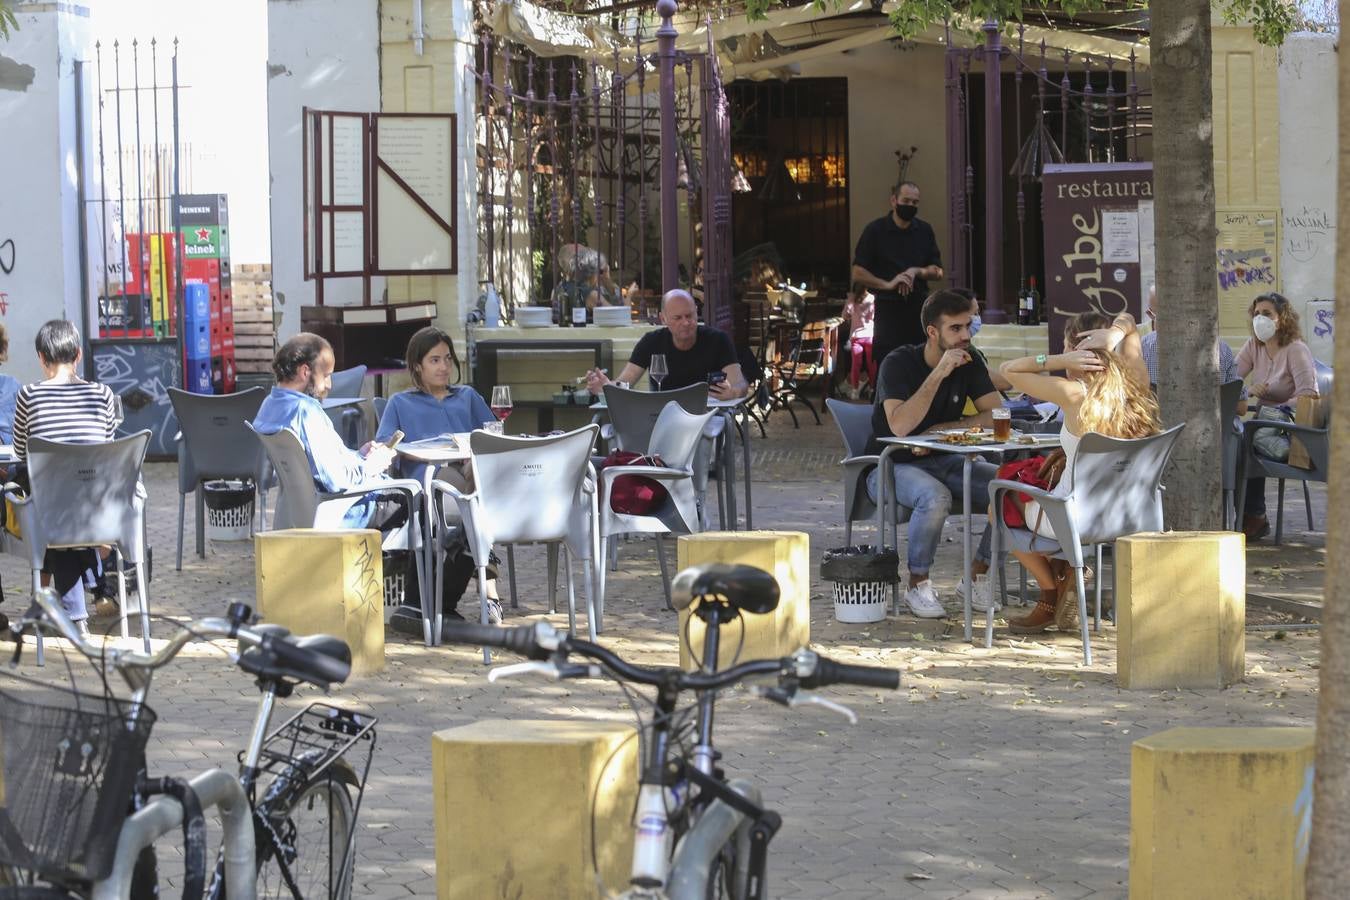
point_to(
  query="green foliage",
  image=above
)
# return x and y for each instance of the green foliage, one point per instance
(8, 24)
(1272, 20)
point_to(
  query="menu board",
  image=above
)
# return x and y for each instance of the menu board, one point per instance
(335, 193)
(414, 194)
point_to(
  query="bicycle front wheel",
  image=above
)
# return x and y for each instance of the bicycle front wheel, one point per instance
(310, 845)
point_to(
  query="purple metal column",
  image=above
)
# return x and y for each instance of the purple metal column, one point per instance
(993, 175)
(956, 274)
(670, 222)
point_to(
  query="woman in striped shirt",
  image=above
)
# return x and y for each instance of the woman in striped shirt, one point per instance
(64, 407)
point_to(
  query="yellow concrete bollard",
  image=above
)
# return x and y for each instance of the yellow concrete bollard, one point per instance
(784, 554)
(1223, 813)
(325, 582)
(518, 802)
(1180, 609)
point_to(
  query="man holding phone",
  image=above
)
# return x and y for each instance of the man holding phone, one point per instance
(694, 353)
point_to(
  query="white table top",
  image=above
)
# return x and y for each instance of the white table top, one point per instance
(936, 444)
(713, 403)
(440, 449)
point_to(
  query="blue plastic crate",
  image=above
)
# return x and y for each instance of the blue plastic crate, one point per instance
(197, 302)
(197, 375)
(197, 339)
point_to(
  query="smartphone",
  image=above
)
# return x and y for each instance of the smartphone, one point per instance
(394, 439)
(715, 378)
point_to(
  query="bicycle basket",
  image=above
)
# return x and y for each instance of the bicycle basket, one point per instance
(70, 763)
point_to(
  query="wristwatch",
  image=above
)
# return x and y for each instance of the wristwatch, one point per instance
(1041, 359)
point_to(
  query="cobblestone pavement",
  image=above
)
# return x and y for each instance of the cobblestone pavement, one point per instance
(991, 773)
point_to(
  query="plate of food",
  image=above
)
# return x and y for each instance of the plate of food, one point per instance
(968, 437)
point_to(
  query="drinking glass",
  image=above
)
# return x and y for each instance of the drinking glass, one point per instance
(492, 427)
(656, 370)
(1002, 424)
(501, 401)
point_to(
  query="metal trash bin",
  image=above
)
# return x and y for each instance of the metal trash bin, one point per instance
(861, 575)
(229, 510)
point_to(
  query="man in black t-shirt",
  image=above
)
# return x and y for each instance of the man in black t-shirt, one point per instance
(923, 388)
(692, 352)
(896, 257)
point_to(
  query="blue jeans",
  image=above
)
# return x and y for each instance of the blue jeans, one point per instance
(926, 485)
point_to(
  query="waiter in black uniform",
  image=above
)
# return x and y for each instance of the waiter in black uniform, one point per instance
(896, 257)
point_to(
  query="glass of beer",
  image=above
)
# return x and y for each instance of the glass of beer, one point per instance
(1002, 424)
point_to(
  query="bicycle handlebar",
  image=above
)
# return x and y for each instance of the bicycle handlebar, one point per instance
(47, 609)
(541, 640)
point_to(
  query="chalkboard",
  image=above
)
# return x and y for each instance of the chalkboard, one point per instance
(141, 372)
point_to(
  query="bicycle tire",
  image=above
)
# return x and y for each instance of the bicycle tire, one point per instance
(723, 874)
(35, 892)
(317, 815)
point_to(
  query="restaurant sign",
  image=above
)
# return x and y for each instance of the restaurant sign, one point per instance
(1097, 255)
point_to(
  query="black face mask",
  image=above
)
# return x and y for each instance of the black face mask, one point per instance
(906, 212)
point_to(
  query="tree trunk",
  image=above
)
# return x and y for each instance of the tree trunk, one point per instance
(1329, 865)
(1188, 301)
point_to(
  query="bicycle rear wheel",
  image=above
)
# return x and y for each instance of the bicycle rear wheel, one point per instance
(311, 844)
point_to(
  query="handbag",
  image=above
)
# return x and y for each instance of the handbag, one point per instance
(635, 495)
(1272, 443)
(1025, 471)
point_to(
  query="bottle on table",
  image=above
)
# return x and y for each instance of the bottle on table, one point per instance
(1034, 310)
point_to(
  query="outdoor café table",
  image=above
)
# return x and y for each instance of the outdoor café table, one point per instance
(434, 452)
(725, 410)
(968, 452)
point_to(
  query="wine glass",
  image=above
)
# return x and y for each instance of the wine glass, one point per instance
(656, 370)
(501, 401)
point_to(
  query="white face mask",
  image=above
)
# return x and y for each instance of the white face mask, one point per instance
(1263, 327)
(975, 323)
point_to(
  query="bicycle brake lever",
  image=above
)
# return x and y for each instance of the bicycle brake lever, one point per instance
(793, 699)
(550, 670)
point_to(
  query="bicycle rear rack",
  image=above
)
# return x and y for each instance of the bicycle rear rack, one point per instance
(315, 737)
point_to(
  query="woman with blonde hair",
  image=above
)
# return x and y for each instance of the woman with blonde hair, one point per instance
(1104, 389)
(1282, 370)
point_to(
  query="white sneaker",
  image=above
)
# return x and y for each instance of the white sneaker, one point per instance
(923, 601)
(984, 594)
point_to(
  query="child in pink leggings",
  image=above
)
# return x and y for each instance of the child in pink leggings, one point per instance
(861, 310)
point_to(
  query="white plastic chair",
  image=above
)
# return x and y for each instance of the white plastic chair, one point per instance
(527, 491)
(300, 503)
(1117, 490)
(87, 495)
(675, 439)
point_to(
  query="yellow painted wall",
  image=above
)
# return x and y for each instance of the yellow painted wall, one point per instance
(428, 83)
(1246, 149)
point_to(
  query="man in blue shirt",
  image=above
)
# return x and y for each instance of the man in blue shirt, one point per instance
(304, 368)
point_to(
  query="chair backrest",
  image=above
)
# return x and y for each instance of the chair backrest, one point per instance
(676, 435)
(1324, 380)
(298, 499)
(855, 424)
(218, 443)
(529, 488)
(348, 382)
(86, 494)
(634, 413)
(1117, 484)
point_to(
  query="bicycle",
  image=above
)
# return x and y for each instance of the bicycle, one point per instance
(288, 814)
(698, 835)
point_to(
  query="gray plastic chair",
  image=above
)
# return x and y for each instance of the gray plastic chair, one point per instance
(855, 428)
(1317, 441)
(529, 491)
(1230, 395)
(87, 495)
(300, 503)
(1117, 490)
(348, 382)
(214, 443)
(675, 439)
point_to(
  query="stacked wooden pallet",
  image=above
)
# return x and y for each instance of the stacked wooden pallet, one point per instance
(254, 331)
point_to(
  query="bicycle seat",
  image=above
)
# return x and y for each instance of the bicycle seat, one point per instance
(319, 659)
(741, 587)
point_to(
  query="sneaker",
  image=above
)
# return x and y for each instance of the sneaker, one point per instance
(494, 607)
(923, 601)
(984, 594)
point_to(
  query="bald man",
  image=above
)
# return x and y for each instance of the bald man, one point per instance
(693, 352)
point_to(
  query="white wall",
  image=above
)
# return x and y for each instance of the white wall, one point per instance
(39, 212)
(1307, 82)
(896, 100)
(323, 54)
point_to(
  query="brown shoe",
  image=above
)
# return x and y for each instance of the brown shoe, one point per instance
(1255, 527)
(1035, 622)
(1066, 608)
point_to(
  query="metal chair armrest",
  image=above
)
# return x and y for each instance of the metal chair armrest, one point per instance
(1000, 486)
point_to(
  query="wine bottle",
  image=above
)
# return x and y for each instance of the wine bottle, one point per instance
(565, 306)
(1022, 304)
(1033, 304)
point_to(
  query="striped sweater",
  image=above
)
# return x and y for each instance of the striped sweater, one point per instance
(76, 412)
